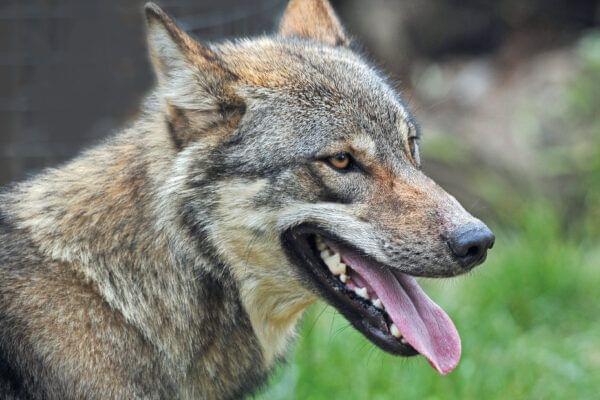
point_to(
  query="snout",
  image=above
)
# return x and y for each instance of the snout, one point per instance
(470, 244)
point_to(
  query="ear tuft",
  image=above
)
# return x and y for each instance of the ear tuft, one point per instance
(171, 49)
(153, 12)
(313, 19)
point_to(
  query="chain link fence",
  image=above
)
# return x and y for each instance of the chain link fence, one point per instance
(72, 71)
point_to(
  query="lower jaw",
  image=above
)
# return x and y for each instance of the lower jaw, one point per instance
(382, 339)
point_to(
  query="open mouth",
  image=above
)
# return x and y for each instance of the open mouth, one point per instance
(387, 306)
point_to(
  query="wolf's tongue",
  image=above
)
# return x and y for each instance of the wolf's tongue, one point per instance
(422, 323)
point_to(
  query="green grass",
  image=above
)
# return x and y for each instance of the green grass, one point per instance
(529, 321)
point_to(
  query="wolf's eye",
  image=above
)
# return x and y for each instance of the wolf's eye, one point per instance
(340, 161)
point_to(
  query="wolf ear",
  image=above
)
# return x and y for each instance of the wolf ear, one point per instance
(171, 49)
(313, 19)
(193, 80)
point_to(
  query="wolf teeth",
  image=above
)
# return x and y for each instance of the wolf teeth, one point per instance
(335, 264)
(332, 261)
(330, 258)
(340, 269)
(362, 292)
(395, 331)
(321, 245)
(377, 303)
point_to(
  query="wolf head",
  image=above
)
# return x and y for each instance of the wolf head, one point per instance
(298, 166)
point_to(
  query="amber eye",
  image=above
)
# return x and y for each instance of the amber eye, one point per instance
(340, 161)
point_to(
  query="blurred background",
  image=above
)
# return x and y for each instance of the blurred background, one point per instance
(508, 95)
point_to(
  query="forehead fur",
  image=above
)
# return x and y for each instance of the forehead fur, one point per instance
(296, 64)
(318, 78)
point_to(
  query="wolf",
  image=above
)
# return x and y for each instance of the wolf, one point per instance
(175, 259)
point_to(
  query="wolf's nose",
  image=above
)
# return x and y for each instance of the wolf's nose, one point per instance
(471, 243)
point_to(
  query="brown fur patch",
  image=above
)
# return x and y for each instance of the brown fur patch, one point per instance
(313, 19)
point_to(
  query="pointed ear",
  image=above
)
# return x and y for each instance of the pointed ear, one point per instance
(313, 19)
(193, 81)
(172, 50)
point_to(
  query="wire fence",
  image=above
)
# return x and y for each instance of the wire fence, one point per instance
(71, 71)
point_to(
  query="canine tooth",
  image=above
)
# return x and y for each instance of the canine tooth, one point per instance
(403, 341)
(378, 304)
(333, 263)
(339, 269)
(395, 331)
(343, 278)
(321, 246)
(333, 259)
(362, 292)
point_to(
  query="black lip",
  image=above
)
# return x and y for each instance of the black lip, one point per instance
(367, 319)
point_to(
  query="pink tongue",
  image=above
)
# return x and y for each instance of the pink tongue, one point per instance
(422, 322)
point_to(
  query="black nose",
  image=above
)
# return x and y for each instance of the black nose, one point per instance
(471, 243)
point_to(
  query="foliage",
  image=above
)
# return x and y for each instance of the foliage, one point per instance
(584, 112)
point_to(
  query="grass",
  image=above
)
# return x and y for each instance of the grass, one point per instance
(529, 322)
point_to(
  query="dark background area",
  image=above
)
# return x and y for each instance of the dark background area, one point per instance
(71, 71)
